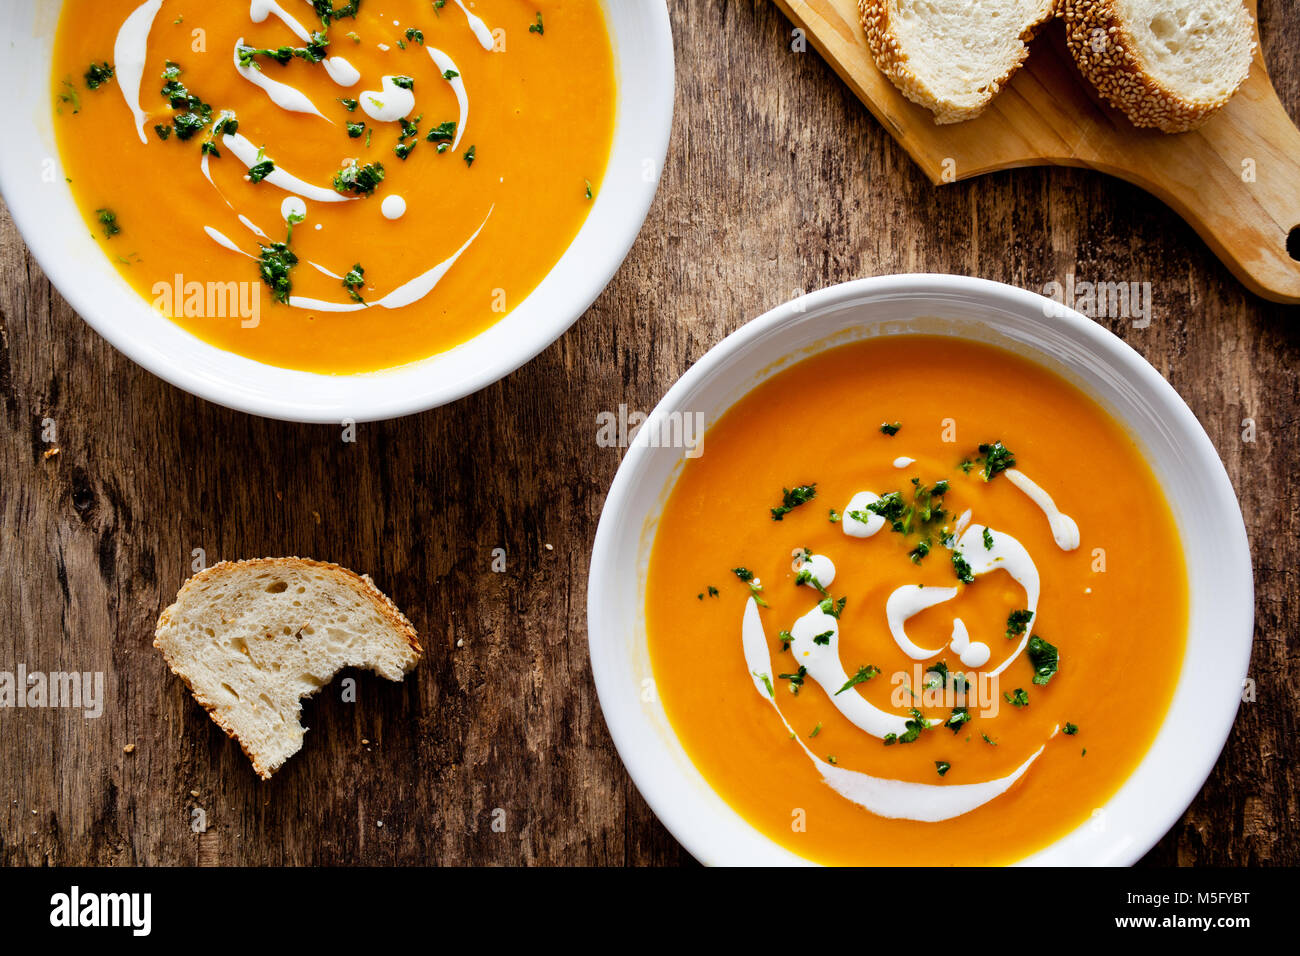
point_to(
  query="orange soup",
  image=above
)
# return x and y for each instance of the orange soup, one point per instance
(336, 187)
(918, 601)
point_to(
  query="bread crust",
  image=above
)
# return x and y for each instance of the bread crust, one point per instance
(359, 583)
(1115, 68)
(892, 60)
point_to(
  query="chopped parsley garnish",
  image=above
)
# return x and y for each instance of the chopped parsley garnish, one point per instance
(98, 75)
(196, 114)
(1017, 621)
(403, 150)
(915, 725)
(962, 569)
(470, 155)
(259, 171)
(164, 131)
(362, 180)
(823, 638)
(537, 26)
(226, 125)
(795, 679)
(410, 128)
(348, 104)
(923, 517)
(792, 498)
(1018, 699)
(890, 428)
(989, 740)
(988, 540)
(996, 458)
(1045, 659)
(767, 682)
(354, 280)
(588, 182)
(785, 637)
(443, 132)
(328, 13)
(403, 82)
(414, 35)
(815, 731)
(864, 674)
(274, 265)
(1070, 729)
(942, 766)
(960, 715)
(356, 129)
(713, 592)
(755, 588)
(833, 516)
(449, 75)
(108, 222)
(314, 52)
(832, 606)
(187, 124)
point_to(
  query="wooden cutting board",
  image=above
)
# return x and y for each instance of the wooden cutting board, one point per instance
(1236, 180)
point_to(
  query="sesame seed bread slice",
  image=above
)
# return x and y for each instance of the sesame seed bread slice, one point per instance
(951, 56)
(1170, 64)
(252, 638)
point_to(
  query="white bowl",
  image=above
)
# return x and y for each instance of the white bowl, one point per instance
(1221, 586)
(57, 235)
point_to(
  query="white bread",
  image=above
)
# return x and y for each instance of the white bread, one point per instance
(1170, 64)
(951, 56)
(252, 638)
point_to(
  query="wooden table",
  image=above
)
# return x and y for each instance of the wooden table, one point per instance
(777, 181)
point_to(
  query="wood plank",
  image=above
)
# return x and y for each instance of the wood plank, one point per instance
(1236, 180)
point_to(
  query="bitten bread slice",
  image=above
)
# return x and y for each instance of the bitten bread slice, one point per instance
(1170, 64)
(252, 638)
(951, 56)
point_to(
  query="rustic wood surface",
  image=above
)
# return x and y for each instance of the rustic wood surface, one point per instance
(1048, 115)
(777, 180)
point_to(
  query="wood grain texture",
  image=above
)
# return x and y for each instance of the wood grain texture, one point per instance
(1236, 180)
(777, 180)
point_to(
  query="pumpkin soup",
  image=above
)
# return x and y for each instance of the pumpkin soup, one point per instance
(334, 186)
(920, 601)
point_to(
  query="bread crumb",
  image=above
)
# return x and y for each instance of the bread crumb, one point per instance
(49, 453)
(194, 793)
(129, 749)
(379, 823)
(460, 642)
(364, 742)
(549, 547)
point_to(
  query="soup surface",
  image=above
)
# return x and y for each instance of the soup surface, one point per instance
(916, 601)
(335, 188)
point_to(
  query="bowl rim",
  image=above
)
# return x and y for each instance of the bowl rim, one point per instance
(271, 391)
(706, 843)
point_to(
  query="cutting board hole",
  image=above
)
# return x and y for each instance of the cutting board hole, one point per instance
(1293, 243)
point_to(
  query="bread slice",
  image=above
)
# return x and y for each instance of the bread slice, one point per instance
(1170, 64)
(951, 56)
(252, 638)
